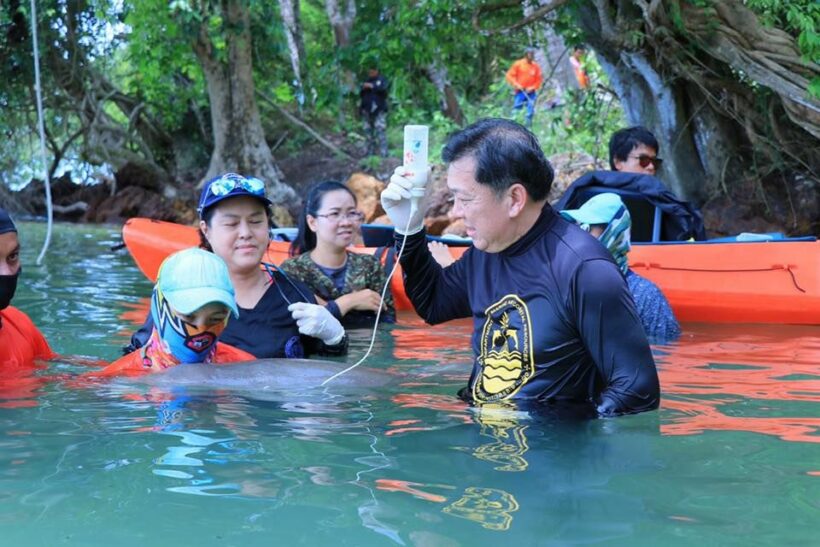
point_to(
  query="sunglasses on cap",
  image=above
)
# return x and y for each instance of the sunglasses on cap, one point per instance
(644, 161)
(230, 185)
(226, 184)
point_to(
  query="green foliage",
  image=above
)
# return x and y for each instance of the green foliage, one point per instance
(371, 164)
(150, 58)
(814, 88)
(581, 121)
(800, 18)
(158, 63)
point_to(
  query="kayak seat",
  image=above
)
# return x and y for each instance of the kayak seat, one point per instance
(647, 218)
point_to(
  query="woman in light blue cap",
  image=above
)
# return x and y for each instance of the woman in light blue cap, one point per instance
(606, 217)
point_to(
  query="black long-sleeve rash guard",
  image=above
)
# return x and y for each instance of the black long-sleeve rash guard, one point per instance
(553, 319)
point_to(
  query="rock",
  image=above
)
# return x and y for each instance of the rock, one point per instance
(456, 228)
(383, 219)
(439, 198)
(436, 225)
(724, 217)
(368, 190)
(66, 196)
(143, 176)
(806, 198)
(568, 168)
(282, 217)
(134, 201)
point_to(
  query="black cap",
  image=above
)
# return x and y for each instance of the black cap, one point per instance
(6, 224)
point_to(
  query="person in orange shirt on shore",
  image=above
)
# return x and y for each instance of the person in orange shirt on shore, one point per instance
(20, 341)
(577, 62)
(191, 304)
(525, 78)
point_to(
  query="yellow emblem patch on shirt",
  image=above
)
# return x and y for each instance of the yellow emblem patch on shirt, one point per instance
(506, 357)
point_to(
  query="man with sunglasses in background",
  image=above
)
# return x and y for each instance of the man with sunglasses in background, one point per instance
(633, 157)
(634, 150)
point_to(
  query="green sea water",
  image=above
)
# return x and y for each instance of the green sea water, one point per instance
(731, 458)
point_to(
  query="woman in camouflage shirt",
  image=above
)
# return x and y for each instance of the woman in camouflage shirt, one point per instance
(350, 283)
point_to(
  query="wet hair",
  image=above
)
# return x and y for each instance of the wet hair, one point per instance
(208, 214)
(624, 141)
(306, 239)
(505, 153)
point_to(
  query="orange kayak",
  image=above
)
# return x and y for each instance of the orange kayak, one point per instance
(709, 282)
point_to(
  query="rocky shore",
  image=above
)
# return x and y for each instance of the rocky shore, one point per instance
(793, 209)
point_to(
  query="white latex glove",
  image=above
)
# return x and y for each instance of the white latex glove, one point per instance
(397, 202)
(314, 320)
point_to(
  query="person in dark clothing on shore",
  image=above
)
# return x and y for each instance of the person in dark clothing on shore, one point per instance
(373, 107)
(553, 320)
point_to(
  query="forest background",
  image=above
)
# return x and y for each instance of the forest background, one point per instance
(143, 100)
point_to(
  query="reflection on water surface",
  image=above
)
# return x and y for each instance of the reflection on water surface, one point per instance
(731, 457)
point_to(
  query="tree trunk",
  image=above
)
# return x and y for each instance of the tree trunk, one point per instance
(437, 73)
(341, 20)
(551, 53)
(239, 140)
(296, 46)
(663, 108)
(727, 97)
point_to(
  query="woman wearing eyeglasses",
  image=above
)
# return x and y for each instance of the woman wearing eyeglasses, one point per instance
(278, 316)
(350, 283)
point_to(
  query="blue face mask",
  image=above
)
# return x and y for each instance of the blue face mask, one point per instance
(183, 340)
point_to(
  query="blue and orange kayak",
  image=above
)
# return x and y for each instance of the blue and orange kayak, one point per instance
(709, 282)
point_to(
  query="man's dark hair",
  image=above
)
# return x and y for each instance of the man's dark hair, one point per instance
(624, 141)
(505, 152)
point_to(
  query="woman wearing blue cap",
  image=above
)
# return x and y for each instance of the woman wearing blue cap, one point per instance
(606, 217)
(278, 316)
(20, 341)
(192, 302)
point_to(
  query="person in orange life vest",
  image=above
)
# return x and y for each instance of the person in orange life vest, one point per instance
(191, 304)
(525, 78)
(577, 62)
(20, 341)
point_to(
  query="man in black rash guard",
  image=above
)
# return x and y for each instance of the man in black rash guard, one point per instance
(553, 320)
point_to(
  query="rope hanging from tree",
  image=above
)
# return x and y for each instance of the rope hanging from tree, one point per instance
(41, 127)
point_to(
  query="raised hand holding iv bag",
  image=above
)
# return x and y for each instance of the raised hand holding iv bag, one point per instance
(409, 178)
(415, 159)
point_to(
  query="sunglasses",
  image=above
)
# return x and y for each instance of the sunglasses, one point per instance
(226, 184)
(644, 161)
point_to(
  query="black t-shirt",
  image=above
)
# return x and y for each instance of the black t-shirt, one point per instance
(374, 100)
(553, 319)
